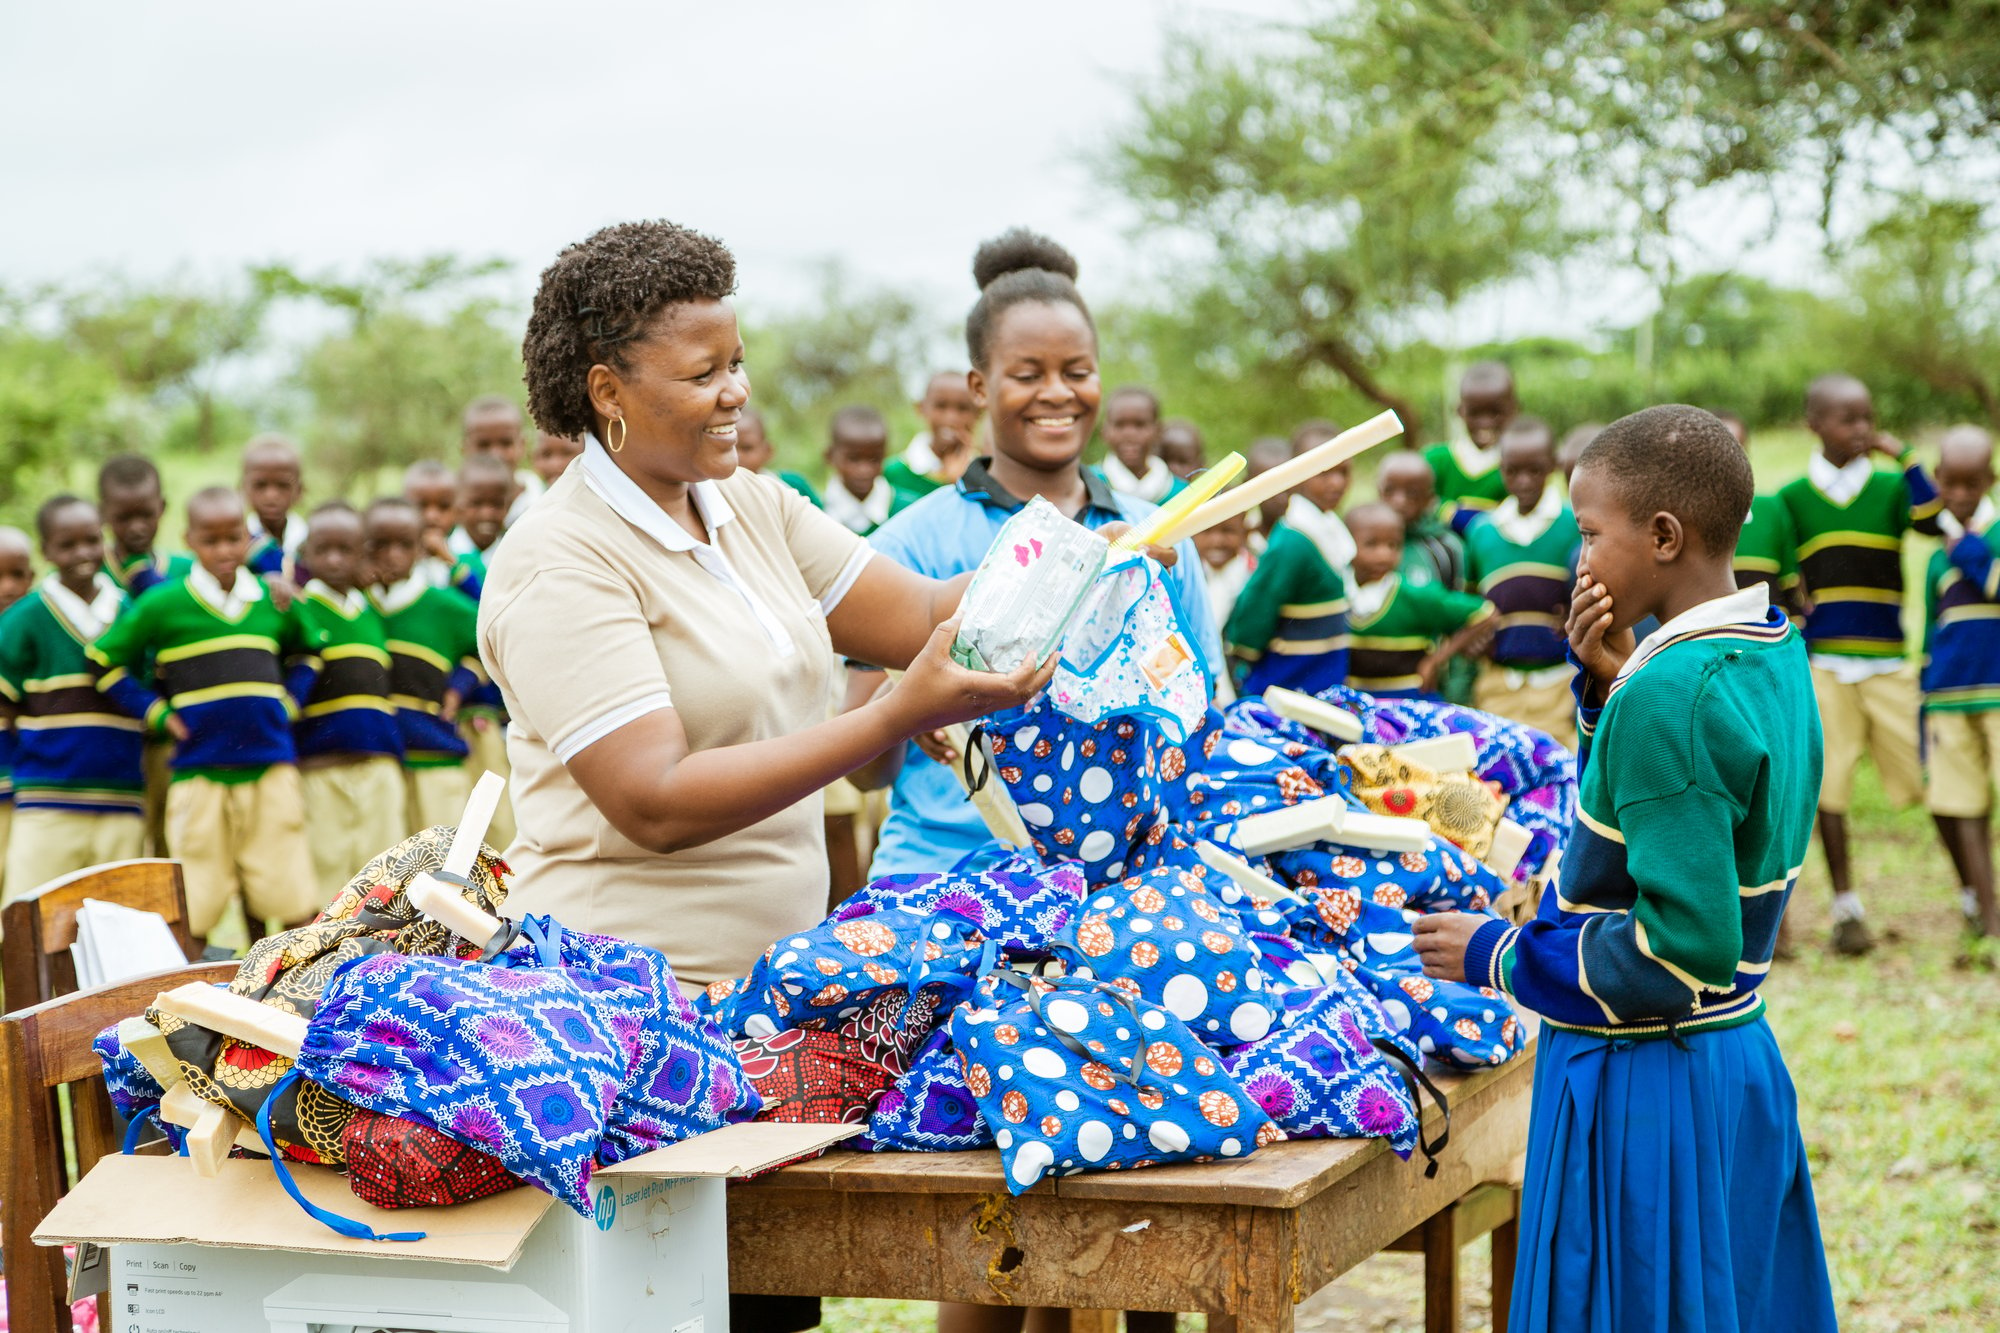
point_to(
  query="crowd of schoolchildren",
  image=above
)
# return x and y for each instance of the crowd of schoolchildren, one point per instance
(296, 692)
(300, 690)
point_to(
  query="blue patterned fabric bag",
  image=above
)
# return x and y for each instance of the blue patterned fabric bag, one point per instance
(537, 1060)
(929, 1110)
(1163, 938)
(1076, 1075)
(1019, 902)
(135, 1093)
(1087, 791)
(832, 972)
(1439, 878)
(1321, 1077)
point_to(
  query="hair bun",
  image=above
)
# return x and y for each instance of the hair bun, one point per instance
(1018, 249)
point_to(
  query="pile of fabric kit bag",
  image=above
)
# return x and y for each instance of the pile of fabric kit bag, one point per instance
(434, 1069)
(1109, 999)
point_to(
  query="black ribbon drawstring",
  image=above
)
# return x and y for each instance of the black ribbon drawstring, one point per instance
(1412, 1077)
(975, 744)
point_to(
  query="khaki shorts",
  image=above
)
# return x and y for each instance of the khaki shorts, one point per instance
(247, 838)
(44, 845)
(489, 755)
(435, 796)
(1876, 717)
(354, 812)
(1549, 707)
(1962, 762)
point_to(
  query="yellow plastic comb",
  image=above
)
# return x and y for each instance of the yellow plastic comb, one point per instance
(1169, 515)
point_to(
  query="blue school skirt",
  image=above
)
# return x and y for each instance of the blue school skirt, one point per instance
(1667, 1189)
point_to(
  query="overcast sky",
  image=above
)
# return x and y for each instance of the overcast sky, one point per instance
(892, 135)
(198, 137)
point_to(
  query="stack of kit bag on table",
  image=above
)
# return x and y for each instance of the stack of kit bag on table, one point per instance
(1109, 1000)
(436, 1070)
(1105, 1000)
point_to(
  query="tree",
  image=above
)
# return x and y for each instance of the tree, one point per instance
(54, 406)
(420, 341)
(168, 345)
(1924, 280)
(852, 344)
(1322, 213)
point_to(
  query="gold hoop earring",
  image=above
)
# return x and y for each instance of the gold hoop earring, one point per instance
(620, 423)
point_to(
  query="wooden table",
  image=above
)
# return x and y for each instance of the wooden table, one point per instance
(1243, 1241)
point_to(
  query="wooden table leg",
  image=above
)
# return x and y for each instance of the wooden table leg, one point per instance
(1093, 1321)
(1441, 1274)
(1506, 1240)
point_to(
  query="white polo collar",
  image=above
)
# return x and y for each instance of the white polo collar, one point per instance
(294, 538)
(229, 604)
(1474, 461)
(349, 604)
(1745, 606)
(1839, 484)
(1982, 519)
(1520, 528)
(632, 504)
(1324, 530)
(639, 509)
(88, 619)
(1366, 600)
(864, 515)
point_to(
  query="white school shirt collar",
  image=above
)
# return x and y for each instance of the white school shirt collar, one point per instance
(229, 604)
(294, 538)
(392, 598)
(90, 618)
(632, 504)
(532, 487)
(1152, 488)
(1982, 519)
(1474, 461)
(862, 515)
(1520, 528)
(919, 457)
(1745, 606)
(1366, 600)
(459, 542)
(1324, 530)
(350, 603)
(1839, 484)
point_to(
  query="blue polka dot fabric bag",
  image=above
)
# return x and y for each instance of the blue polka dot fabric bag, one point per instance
(1075, 1075)
(1163, 938)
(930, 1108)
(1086, 791)
(1321, 1077)
(545, 1059)
(832, 972)
(1018, 902)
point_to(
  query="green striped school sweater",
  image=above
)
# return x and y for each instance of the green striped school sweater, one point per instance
(1384, 650)
(76, 750)
(1700, 780)
(1851, 558)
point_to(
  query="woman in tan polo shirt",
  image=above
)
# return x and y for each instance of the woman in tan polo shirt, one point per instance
(663, 627)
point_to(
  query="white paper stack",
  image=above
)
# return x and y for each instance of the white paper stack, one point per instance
(116, 943)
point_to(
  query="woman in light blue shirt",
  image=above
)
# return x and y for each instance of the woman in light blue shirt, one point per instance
(1034, 373)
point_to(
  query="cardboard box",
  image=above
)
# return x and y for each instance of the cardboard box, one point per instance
(234, 1254)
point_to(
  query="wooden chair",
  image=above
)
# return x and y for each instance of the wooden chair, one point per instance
(44, 1048)
(40, 926)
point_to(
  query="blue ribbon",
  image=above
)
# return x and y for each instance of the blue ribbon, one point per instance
(346, 1226)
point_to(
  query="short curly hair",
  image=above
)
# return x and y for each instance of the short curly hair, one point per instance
(1680, 460)
(599, 298)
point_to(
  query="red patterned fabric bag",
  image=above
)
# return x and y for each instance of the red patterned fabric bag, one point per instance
(395, 1163)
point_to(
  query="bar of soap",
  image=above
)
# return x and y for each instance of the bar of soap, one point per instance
(1454, 753)
(1329, 820)
(1510, 844)
(1318, 714)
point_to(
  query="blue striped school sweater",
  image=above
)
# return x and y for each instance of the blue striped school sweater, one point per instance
(1700, 778)
(348, 710)
(74, 750)
(235, 680)
(1962, 625)
(1529, 584)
